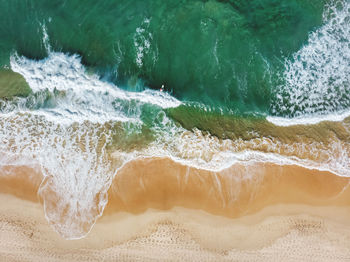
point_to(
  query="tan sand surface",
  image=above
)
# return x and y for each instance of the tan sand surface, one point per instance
(277, 233)
(162, 183)
(160, 210)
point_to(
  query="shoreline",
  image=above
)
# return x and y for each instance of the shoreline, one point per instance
(158, 209)
(162, 183)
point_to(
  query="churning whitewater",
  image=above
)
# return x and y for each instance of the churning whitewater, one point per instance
(317, 79)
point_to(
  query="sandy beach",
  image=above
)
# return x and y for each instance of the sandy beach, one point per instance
(283, 232)
(297, 214)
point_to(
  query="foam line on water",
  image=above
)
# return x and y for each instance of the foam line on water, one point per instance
(247, 158)
(67, 73)
(308, 120)
(81, 96)
(208, 152)
(224, 160)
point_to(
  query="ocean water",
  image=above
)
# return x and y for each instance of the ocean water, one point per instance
(87, 87)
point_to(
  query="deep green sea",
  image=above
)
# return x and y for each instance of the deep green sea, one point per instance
(227, 54)
(86, 86)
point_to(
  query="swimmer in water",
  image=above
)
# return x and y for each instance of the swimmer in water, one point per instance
(162, 88)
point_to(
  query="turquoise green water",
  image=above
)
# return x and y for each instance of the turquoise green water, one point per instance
(227, 54)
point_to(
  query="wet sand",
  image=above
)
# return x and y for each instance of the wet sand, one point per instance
(159, 210)
(161, 183)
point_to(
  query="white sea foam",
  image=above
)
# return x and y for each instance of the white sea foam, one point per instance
(207, 152)
(85, 97)
(142, 42)
(308, 120)
(317, 79)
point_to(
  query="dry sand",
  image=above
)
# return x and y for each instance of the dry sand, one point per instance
(277, 233)
(160, 210)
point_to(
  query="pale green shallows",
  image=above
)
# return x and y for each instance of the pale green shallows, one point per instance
(13, 84)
